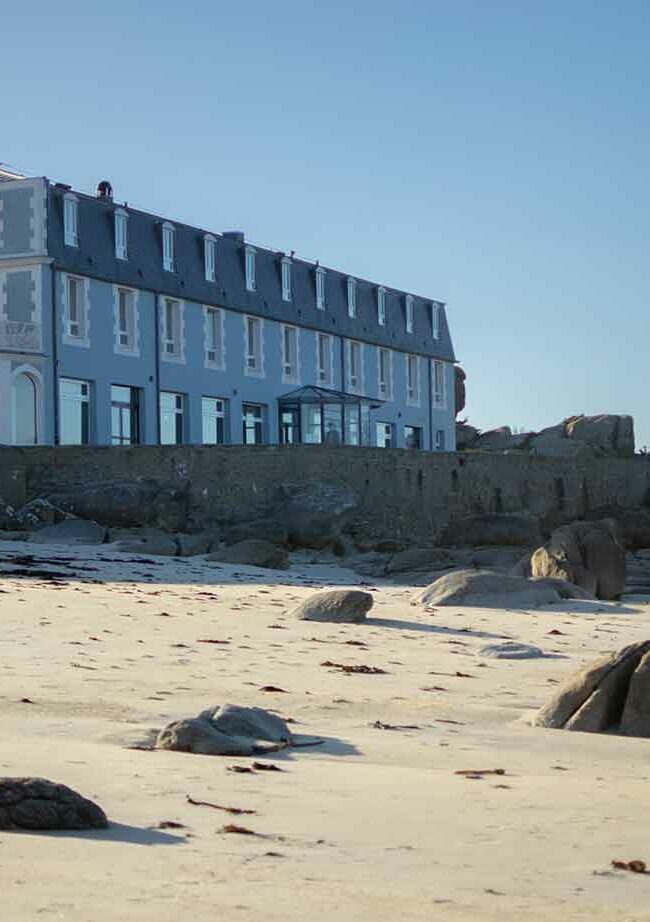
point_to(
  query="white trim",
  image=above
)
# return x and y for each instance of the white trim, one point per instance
(439, 394)
(250, 267)
(37, 377)
(67, 337)
(134, 348)
(321, 289)
(381, 306)
(386, 395)
(169, 246)
(285, 271)
(210, 257)
(435, 320)
(329, 381)
(352, 297)
(287, 376)
(413, 400)
(218, 363)
(121, 219)
(357, 386)
(70, 227)
(258, 371)
(409, 309)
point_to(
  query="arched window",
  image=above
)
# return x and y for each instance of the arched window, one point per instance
(25, 409)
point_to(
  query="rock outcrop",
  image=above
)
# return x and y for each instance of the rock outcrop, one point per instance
(587, 554)
(607, 434)
(253, 553)
(36, 803)
(488, 589)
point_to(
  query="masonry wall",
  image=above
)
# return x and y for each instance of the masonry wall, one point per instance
(401, 493)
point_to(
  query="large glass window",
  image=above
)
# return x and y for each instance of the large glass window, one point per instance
(125, 415)
(74, 412)
(253, 419)
(324, 350)
(171, 418)
(253, 328)
(412, 379)
(333, 423)
(385, 375)
(412, 437)
(355, 384)
(25, 410)
(171, 327)
(126, 319)
(289, 354)
(214, 337)
(75, 314)
(312, 420)
(214, 420)
(439, 384)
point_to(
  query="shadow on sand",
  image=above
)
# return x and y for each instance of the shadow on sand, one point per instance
(396, 623)
(116, 832)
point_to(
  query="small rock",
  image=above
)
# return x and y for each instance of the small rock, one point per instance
(511, 650)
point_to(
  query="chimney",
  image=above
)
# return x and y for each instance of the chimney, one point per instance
(105, 191)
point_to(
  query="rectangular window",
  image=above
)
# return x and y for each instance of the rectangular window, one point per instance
(210, 258)
(74, 411)
(381, 306)
(355, 383)
(126, 320)
(250, 268)
(320, 288)
(171, 327)
(253, 420)
(71, 221)
(214, 420)
(439, 384)
(169, 248)
(125, 415)
(385, 435)
(412, 437)
(409, 313)
(385, 374)
(171, 418)
(214, 337)
(289, 354)
(412, 379)
(352, 298)
(121, 225)
(324, 369)
(76, 313)
(253, 338)
(440, 439)
(286, 279)
(435, 320)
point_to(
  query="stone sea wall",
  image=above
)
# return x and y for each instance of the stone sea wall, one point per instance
(400, 493)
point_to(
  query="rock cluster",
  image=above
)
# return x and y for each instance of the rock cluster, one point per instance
(611, 694)
(587, 554)
(607, 434)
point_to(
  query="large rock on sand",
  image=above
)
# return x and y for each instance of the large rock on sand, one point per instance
(342, 606)
(227, 729)
(35, 803)
(253, 553)
(595, 698)
(488, 589)
(587, 554)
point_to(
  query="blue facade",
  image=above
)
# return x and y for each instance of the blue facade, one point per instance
(88, 308)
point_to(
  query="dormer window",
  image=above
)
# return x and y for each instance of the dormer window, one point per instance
(121, 240)
(169, 247)
(381, 307)
(210, 257)
(352, 297)
(435, 320)
(409, 313)
(250, 268)
(71, 220)
(286, 278)
(320, 288)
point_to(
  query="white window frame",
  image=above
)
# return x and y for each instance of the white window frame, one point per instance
(214, 345)
(352, 297)
(354, 383)
(249, 258)
(253, 351)
(325, 372)
(169, 247)
(438, 383)
(413, 385)
(290, 363)
(385, 385)
(381, 306)
(177, 340)
(409, 313)
(80, 336)
(132, 332)
(435, 321)
(321, 299)
(76, 400)
(70, 220)
(438, 440)
(286, 278)
(215, 413)
(381, 425)
(178, 410)
(210, 257)
(121, 219)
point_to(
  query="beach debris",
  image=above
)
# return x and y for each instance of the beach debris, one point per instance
(380, 725)
(273, 688)
(240, 769)
(266, 767)
(236, 811)
(341, 606)
(170, 824)
(636, 866)
(475, 773)
(239, 830)
(227, 729)
(357, 669)
(36, 803)
(511, 650)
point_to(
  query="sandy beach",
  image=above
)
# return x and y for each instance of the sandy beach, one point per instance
(374, 823)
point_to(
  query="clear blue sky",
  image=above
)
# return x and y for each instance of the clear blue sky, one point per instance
(494, 155)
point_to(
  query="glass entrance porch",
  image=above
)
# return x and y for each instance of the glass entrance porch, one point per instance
(319, 416)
